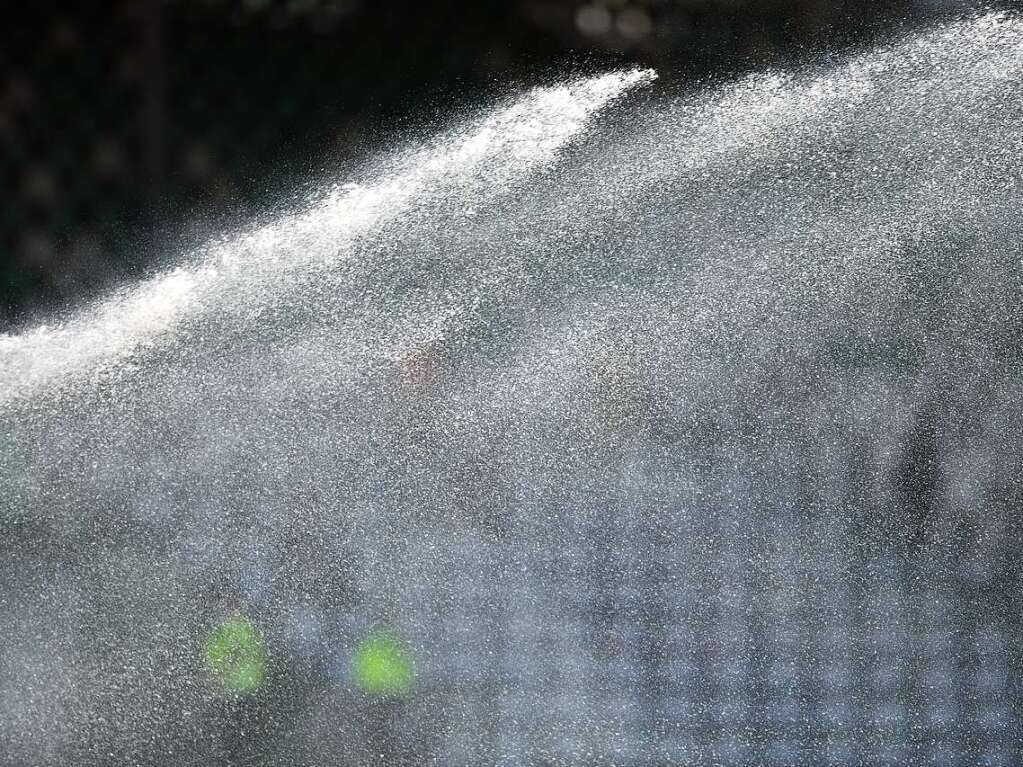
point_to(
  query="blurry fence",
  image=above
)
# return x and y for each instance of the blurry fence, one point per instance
(742, 608)
(822, 574)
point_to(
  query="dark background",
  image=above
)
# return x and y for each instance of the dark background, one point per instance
(129, 130)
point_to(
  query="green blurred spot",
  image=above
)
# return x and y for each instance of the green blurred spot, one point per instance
(382, 666)
(236, 655)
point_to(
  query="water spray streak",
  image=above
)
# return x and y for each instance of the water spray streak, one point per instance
(470, 164)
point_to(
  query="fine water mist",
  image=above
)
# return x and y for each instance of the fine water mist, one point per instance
(611, 426)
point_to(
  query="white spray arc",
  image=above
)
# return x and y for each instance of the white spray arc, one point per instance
(473, 162)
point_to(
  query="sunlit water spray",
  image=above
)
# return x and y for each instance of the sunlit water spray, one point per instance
(463, 170)
(614, 427)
